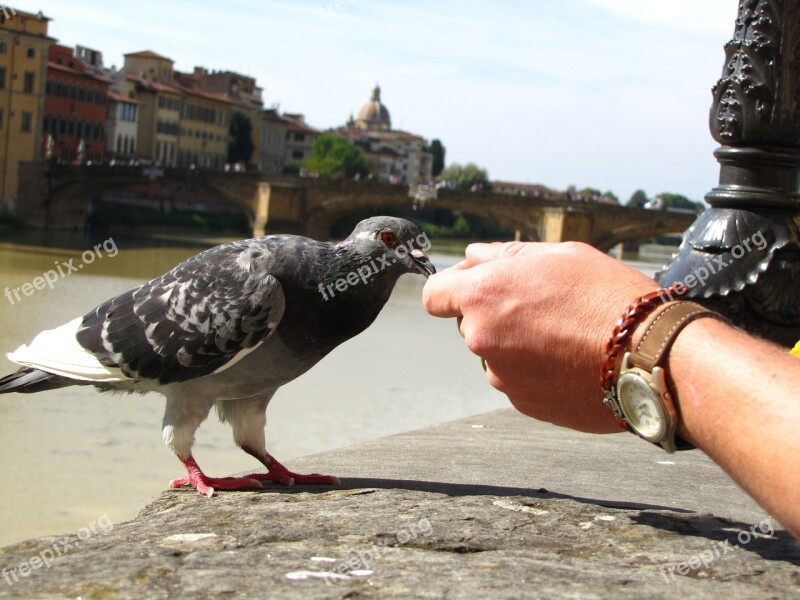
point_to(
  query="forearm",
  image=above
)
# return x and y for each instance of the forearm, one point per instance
(739, 403)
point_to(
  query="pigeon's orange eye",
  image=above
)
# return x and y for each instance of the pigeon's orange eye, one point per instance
(388, 237)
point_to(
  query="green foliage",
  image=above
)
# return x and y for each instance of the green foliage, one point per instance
(464, 177)
(332, 156)
(679, 201)
(587, 192)
(637, 199)
(142, 216)
(612, 195)
(443, 223)
(240, 144)
(291, 169)
(437, 223)
(7, 220)
(437, 150)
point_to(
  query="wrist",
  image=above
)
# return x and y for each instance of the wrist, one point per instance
(641, 391)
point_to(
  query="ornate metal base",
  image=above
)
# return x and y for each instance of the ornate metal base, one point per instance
(745, 265)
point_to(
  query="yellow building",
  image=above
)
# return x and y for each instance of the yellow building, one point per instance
(180, 125)
(205, 120)
(149, 65)
(24, 45)
(239, 89)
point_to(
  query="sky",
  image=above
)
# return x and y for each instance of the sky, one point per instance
(610, 94)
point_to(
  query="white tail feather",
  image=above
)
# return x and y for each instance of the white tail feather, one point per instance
(57, 351)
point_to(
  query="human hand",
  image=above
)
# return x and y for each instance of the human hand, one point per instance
(540, 316)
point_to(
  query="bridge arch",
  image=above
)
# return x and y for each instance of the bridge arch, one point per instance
(321, 217)
(642, 230)
(75, 196)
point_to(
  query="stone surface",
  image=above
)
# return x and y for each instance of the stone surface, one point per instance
(494, 506)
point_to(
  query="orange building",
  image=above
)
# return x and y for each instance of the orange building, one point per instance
(75, 110)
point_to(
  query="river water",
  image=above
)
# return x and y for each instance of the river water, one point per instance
(72, 455)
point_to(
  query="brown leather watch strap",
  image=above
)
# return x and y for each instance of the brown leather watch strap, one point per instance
(663, 330)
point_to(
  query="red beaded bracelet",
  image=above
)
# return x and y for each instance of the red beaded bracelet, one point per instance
(619, 339)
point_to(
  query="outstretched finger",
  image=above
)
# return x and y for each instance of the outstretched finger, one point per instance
(440, 294)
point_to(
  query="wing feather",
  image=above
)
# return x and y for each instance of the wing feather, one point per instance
(192, 321)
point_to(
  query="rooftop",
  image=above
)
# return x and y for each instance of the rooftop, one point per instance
(147, 54)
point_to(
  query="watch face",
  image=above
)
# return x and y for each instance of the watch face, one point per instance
(641, 406)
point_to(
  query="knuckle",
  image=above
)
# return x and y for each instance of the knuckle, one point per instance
(495, 380)
(474, 338)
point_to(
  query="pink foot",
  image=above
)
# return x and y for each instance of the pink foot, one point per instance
(206, 485)
(280, 474)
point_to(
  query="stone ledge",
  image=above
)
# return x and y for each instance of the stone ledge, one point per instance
(393, 530)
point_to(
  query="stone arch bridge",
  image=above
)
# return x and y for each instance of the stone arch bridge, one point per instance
(61, 196)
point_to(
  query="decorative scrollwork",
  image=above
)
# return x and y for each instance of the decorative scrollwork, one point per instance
(757, 95)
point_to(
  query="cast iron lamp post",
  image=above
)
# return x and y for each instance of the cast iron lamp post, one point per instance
(746, 247)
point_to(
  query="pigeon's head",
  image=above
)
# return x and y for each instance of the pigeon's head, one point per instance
(396, 245)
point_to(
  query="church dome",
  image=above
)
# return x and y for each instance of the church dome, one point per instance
(373, 114)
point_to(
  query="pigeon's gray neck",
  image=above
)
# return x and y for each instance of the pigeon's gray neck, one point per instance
(350, 256)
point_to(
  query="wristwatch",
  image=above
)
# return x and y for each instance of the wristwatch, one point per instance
(643, 398)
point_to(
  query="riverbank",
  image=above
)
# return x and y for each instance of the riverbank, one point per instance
(495, 505)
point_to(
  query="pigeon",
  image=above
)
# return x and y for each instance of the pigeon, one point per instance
(226, 328)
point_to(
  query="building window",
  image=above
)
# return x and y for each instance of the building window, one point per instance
(27, 121)
(27, 85)
(3, 47)
(297, 154)
(1, 118)
(31, 53)
(299, 137)
(2, 78)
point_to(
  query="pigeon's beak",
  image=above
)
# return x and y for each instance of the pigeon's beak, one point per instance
(422, 262)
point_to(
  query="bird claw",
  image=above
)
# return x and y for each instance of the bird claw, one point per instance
(208, 485)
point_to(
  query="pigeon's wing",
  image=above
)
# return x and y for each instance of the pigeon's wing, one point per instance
(204, 315)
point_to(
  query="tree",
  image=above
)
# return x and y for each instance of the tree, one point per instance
(637, 199)
(610, 195)
(437, 150)
(333, 156)
(240, 145)
(590, 192)
(679, 201)
(467, 176)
